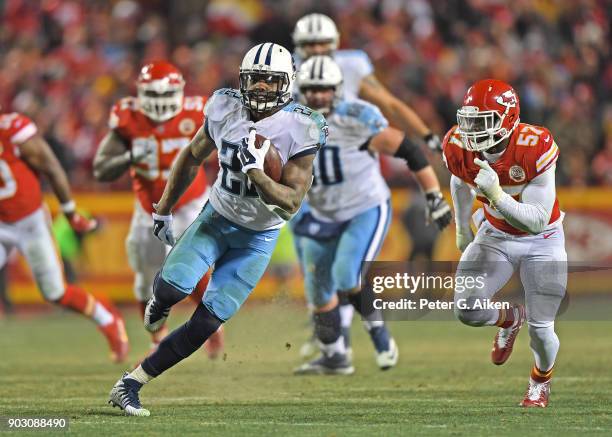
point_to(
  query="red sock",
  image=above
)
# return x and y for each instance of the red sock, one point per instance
(538, 376)
(78, 300)
(198, 292)
(142, 306)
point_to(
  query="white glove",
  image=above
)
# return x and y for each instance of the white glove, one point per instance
(141, 149)
(433, 142)
(463, 237)
(250, 156)
(488, 181)
(162, 228)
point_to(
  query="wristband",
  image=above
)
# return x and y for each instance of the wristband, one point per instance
(68, 207)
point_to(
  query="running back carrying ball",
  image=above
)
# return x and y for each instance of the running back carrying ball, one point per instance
(273, 165)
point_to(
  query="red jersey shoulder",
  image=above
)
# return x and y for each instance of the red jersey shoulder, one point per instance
(534, 149)
(194, 104)
(125, 114)
(16, 128)
(122, 113)
(457, 159)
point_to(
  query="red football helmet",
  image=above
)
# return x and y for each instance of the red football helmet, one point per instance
(489, 114)
(160, 90)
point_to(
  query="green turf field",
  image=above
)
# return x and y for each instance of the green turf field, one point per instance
(56, 365)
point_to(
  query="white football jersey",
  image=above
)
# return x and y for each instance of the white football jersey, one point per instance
(295, 130)
(347, 178)
(354, 64)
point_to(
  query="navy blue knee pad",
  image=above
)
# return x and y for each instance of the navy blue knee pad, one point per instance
(166, 293)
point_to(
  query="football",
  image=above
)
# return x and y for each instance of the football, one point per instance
(273, 164)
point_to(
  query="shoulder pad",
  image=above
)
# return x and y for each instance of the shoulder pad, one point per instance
(121, 112)
(17, 127)
(222, 103)
(194, 103)
(311, 126)
(358, 59)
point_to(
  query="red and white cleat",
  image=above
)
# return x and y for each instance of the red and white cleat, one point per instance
(537, 394)
(116, 336)
(215, 343)
(505, 337)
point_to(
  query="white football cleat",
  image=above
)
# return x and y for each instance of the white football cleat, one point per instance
(388, 358)
(537, 394)
(124, 395)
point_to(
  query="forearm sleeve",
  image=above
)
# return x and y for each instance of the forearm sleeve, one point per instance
(532, 213)
(463, 199)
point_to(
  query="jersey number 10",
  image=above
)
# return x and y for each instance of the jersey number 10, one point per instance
(327, 168)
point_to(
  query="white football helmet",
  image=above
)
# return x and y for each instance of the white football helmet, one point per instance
(314, 28)
(320, 72)
(273, 65)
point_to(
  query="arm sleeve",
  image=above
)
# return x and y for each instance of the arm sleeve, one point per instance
(463, 199)
(373, 120)
(532, 213)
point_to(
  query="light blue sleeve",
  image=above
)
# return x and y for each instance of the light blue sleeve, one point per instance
(366, 115)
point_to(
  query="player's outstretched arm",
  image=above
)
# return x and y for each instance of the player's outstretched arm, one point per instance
(397, 112)
(185, 170)
(295, 182)
(112, 158)
(393, 142)
(463, 199)
(37, 153)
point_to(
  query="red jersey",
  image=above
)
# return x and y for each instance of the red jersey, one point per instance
(149, 176)
(530, 152)
(20, 193)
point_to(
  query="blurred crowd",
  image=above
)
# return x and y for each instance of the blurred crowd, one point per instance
(65, 62)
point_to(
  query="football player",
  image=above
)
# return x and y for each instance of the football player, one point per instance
(317, 34)
(24, 155)
(509, 166)
(146, 134)
(238, 228)
(349, 212)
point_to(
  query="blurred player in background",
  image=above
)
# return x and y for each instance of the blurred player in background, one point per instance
(24, 156)
(510, 167)
(146, 135)
(349, 212)
(317, 34)
(238, 228)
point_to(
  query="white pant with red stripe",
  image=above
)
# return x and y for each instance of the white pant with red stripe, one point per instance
(32, 237)
(146, 253)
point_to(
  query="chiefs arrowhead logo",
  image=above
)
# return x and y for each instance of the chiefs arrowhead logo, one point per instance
(507, 99)
(187, 126)
(516, 173)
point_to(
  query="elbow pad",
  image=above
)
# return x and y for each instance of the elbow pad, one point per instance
(412, 154)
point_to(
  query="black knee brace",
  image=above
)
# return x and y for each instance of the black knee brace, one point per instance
(165, 293)
(327, 325)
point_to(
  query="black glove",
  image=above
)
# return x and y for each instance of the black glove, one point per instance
(438, 211)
